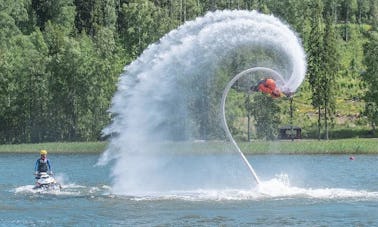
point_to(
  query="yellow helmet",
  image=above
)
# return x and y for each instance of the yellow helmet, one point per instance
(43, 152)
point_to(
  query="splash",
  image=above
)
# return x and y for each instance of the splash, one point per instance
(169, 99)
(71, 190)
(278, 187)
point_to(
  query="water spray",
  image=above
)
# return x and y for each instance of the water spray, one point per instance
(273, 74)
(160, 97)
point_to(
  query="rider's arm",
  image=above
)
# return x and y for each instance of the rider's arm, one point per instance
(48, 164)
(36, 166)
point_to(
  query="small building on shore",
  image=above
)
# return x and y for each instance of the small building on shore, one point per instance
(290, 132)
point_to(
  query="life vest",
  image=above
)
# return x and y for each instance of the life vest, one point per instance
(42, 165)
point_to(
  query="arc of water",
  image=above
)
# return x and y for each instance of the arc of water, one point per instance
(273, 74)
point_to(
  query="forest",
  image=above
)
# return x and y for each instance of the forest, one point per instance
(60, 61)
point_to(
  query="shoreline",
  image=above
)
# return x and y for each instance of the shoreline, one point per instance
(339, 146)
(55, 147)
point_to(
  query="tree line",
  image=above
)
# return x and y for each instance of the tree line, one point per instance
(60, 59)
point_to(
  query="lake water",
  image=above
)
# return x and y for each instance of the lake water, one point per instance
(300, 190)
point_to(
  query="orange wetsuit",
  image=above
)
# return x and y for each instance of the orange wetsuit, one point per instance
(268, 86)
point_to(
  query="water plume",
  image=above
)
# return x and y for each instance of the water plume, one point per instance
(168, 101)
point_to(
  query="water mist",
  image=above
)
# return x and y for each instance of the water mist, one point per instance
(168, 102)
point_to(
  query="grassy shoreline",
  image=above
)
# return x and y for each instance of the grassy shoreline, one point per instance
(341, 146)
(55, 147)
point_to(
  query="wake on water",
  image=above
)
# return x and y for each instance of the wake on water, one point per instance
(67, 189)
(71, 190)
(277, 188)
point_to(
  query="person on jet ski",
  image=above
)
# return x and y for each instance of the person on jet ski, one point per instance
(42, 164)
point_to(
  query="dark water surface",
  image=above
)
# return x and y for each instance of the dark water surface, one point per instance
(300, 190)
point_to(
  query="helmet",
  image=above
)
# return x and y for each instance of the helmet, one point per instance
(43, 152)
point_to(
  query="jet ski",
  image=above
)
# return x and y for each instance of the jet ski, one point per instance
(46, 181)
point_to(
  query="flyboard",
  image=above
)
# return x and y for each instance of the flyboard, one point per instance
(271, 73)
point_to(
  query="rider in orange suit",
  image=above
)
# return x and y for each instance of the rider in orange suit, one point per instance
(268, 86)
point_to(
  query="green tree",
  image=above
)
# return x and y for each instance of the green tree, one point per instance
(37, 89)
(12, 13)
(105, 70)
(183, 10)
(373, 14)
(315, 58)
(331, 67)
(363, 11)
(69, 80)
(235, 112)
(266, 116)
(141, 23)
(371, 80)
(349, 9)
(248, 104)
(94, 14)
(60, 12)
(23, 83)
